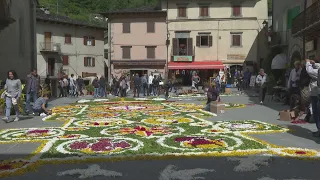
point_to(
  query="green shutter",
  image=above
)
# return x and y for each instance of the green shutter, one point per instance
(292, 13)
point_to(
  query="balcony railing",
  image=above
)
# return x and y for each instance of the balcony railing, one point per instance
(280, 38)
(50, 47)
(183, 52)
(306, 19)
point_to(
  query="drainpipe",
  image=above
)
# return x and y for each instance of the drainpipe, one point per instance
(167, 43)
(33, 48)
(304, 25)
(109, 49)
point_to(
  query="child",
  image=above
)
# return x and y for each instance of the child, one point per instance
(39, 106)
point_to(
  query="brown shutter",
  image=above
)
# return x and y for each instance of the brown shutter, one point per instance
(151, 52)
(210, 41)
(126, 27)
(150, 27)
(175, 46)
(93, 62)
(198, 41)
(189, 47)
(236, 10)
(85, 62)
(65, 60)
(93, 41)
(126, 52)
(85, 39)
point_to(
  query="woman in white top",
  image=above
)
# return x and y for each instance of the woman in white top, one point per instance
(261, 81)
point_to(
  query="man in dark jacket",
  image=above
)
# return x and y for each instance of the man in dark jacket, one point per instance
(212, 95)
(102, 86)
(137, 85)
(95, 84)
(32, 89)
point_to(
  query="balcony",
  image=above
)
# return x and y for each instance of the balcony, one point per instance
(183, 54)
(280, 38)
(50, 47)
(307, 23)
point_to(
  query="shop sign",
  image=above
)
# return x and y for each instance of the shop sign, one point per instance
(309, 46)
(236, 56)
(182, 58)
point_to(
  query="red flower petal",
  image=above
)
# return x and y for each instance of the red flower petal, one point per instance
(301, 152)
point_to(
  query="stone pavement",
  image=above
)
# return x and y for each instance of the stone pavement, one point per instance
(212, 168)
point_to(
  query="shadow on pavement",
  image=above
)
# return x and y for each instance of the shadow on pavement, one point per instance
(302, 132)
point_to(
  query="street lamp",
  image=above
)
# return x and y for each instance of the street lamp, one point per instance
(167, 61)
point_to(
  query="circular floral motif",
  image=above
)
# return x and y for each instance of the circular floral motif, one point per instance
(102, 122)
(201, 143)
(99, 146)
(162, 113)
(248, 126)
(27, 134)
(167, 120)
(143, 131)
(13, 165)
(186, 107)
(75, 128)
(295, 152)
(103, 115)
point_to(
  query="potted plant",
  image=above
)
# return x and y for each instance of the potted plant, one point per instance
(90, 89)
(2, 103)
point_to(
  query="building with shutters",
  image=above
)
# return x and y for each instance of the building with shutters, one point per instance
(206, 36)
(66, 46)
(18, 37)
(137, 41)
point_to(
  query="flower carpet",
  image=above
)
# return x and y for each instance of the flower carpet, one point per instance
(130, 130)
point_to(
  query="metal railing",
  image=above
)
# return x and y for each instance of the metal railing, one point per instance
(306, 18)
(50, 47)
(184, 52)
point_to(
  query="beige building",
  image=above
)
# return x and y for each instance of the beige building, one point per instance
(204, 34)
(67, 46)
(137, 41)
(17, 34)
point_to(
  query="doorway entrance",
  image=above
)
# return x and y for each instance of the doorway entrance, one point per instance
(47, 40)
(51, 66)
(140, 72)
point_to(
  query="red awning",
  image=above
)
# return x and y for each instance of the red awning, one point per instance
(196, 65)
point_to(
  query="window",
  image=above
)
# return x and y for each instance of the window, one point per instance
(204, 40)
(292, 13)
(204, 11)
(67, 39)
(151, 52)
(182, 12)
(106, 55)
(89, 41)
(236, 39)
(65, 60)
(236, 11)
(150, 27)
(126, 52)
(126, 28)
(89, 62)
(182, 47)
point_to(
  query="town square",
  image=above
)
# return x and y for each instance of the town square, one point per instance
(159, 89)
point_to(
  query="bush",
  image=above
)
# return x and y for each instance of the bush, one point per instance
(90, 88)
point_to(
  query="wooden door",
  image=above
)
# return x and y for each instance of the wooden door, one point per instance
(47, 40)
(51, 66)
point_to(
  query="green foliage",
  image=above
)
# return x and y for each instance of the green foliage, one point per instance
(90, 88)
(83, 9)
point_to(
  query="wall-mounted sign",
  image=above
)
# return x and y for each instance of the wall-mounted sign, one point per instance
(87, 74)
(236, 56)
(309, 46)
(182, 58)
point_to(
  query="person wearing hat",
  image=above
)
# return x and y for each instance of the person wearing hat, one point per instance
(293, 82)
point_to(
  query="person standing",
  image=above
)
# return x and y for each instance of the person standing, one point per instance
(261, 81)
(123, 86)
(150, 85)
(32, 89)
(80, 84)
(102, 86)
(12, 94)
(246, 78)
(155, 84)
(293, 82)
(144, 83)
(212, 95)
(313, 71)
(72, 84)
(60, 86)
(137, 85)
(95, 84)
(65, 86)
(195, 80)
